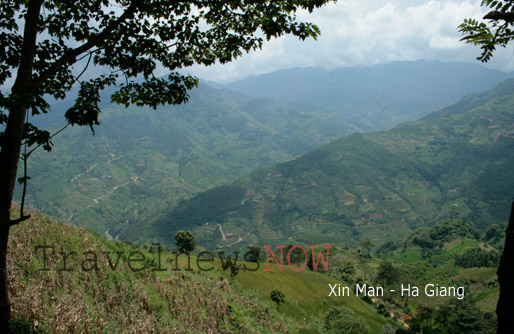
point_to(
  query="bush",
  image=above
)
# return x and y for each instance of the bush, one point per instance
(278, 297)
(341, 320)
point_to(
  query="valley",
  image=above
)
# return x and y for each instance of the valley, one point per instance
(451, 164)
(226, 167)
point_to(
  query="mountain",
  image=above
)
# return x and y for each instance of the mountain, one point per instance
(378, 97)
(454, 163)
(142, 161)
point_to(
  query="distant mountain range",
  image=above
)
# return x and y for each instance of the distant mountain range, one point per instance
(378, 97)
(454, 163)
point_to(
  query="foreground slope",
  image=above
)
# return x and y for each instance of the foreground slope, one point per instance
(55, 287)
(455, 163)
(81, 299)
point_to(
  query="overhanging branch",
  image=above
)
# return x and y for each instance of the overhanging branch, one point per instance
(18, 220)
(496, 16)
(71, 55)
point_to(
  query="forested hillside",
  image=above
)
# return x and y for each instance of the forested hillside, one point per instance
(455, 163)
(141, 161)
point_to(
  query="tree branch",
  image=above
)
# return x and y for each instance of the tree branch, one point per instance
(55, 134)
(18, 220)
(71, 55)
(84, 70)
(496, 16)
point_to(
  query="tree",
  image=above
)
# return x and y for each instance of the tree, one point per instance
(497, 31)
(367, 244)
(464, 316)
(253, 254)
(341, 320)
(505, 306)
(388, 274)
(347, 271)
(277, 297)
(234, 269)
(185, 241)
(427, 253)
(47, 46)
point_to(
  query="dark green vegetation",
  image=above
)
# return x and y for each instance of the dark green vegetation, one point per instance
(456, 240)
(454, 163)
(341, 319)
(378, 97)
(401, 263)
(185, 241)
(141, 161)
(277, 297)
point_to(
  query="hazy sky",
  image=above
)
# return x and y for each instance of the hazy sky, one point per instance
(368, 32)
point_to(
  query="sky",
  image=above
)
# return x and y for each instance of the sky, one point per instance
(363, 33)
(367, 33)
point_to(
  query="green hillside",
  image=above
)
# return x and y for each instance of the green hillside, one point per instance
(451, 253)
(138, 290)
(455, 163)
(141, 161)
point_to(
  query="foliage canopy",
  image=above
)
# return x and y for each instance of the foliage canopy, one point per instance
(497, 32)
(341, 319)
(127, 41)
(185, 241)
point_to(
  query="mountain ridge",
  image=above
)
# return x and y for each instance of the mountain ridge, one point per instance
(452, 164)
(375, 97)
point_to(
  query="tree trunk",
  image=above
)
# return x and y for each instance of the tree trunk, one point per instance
(8, 168)
(11, 146)
(5, 307)
(505, 307)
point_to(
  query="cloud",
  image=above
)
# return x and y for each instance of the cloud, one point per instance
(368, 32)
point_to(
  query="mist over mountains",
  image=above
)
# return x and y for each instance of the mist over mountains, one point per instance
(378, 97)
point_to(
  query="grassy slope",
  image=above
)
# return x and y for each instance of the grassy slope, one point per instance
(307, 294)
(149, 301)
(123, 301)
